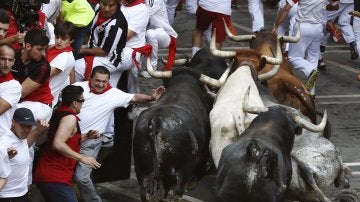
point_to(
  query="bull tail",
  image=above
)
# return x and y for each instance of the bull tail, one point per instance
(194, 144)
(153, 134)
(154, 126)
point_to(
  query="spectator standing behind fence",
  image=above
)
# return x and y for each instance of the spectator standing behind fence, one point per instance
(100, 102)
(20, 136)
(80, 13)
(137, 16)
(54, 172)
(16, 33)
(61, 59)
(10, 89)
(32, 70)
(106, 43)
(4, 24)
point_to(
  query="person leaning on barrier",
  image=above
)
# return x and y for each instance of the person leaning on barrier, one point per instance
(101, 101)
(54, 172)
(20, 136)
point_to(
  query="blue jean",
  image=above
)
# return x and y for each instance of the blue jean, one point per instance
(82, 175)
(57, 192)
(81, 33)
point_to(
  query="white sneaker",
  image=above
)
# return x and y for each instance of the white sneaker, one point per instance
(145, 74)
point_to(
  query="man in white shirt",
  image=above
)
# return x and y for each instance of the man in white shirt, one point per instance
(10, 89)
(100, 101)
(20, 136)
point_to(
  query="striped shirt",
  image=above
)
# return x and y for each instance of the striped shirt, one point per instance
(111, 36)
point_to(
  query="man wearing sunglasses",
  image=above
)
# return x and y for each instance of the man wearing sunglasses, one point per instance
(53, 175)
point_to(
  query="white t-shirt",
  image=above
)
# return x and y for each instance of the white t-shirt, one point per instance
(97, 109)
(218, 6)
(65, 62)
(10, 91)
(310, 11)
(17, 181)
(137, 18)
(5, 168)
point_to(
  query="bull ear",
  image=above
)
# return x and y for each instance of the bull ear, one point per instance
(253, 151)
(262, 63)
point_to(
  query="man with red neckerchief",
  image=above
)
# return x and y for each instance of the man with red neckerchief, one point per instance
(53, 175)
(61, 59)
(106, 42)
(100, 102)
(137, 16)
(10, 89)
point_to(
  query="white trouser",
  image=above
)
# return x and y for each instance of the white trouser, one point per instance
(191, 6)
(304, 54)
(288, 23)
(157, 38)
(115, 72)
(41, 112)
(343, 22)
(171, 9)
(356, 28)
(256, 11)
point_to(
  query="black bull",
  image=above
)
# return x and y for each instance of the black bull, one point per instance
(257, 167)
(171, 137)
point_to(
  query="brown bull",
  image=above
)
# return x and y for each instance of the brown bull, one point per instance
(286, 88)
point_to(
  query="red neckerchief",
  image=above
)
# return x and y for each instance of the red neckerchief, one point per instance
(101, 19)
(7, 77)
(108, 87)
(63, 108)
(136, 2)
(53, 52)
(144, 50)
(171, 56)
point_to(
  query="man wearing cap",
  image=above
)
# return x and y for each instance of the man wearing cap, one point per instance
(20, 136)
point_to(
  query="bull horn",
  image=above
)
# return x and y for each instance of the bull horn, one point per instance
(214, 82)
(178, 62)
(304, 123)
(238, 37)
(310, 126)
(155, 73)
(219, 53)
(252, 109)
(291, 39)
(279, 56)
(268, 75)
